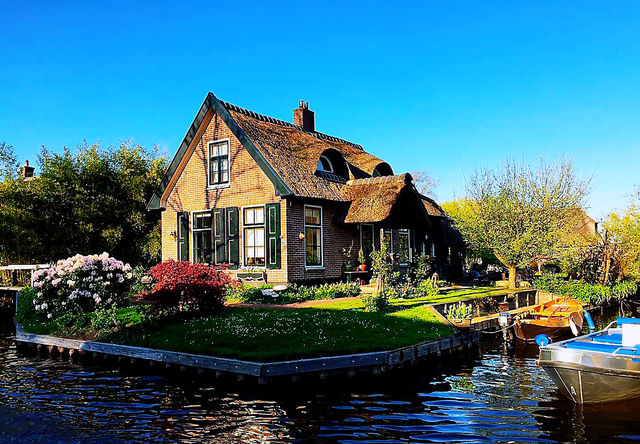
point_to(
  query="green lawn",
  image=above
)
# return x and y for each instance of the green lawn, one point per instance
(401, 304)
(271, 334)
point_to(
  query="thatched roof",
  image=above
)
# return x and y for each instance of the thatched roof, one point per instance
(294, 153)
(289, 156)
(433, 209)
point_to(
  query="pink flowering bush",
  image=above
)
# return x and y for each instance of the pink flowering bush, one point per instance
(81, 284)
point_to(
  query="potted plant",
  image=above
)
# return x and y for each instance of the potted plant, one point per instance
(460, 315)
(363, 266)
(348, 266)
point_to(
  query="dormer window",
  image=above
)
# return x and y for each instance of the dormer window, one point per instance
(219, 163)
(382, 169)
(324, 164)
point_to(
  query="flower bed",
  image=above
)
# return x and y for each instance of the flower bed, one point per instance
(81, 284)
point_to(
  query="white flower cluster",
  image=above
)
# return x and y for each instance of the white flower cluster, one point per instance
(80, 284)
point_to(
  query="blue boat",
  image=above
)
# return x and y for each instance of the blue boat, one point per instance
(603, 366)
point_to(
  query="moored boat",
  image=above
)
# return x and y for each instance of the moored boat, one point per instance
(600, 367)
(557, 319)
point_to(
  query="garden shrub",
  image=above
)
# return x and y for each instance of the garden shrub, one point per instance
(241, 292)
(586, 292)
(300, 293)
(408, 290)
(183, 286)
(81, 284)
(376, 302)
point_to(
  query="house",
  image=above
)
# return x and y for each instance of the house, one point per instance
(249, 190)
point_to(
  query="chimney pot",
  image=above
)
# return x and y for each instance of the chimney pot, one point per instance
(26, 170)
(304, 117)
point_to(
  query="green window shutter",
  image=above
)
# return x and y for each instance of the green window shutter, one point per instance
(273, 235)
(219, 236)
(232, 236)
(183, 236)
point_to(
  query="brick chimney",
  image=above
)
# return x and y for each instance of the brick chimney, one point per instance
(26, 170)
(304, 117)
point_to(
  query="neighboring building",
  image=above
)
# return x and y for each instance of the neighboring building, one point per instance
(249, 190)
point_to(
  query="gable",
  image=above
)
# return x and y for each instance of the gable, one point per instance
(209, 108)
(190, 190)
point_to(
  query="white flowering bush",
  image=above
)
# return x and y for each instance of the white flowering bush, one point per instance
(81, 284)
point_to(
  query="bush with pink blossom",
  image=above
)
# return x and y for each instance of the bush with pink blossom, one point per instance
(81, 284)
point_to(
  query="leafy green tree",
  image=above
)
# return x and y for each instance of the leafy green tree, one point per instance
(518, 210)
(8, 162)
(620, 245)
(87, 201)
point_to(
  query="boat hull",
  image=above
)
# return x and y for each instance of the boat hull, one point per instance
(588, 378)
(528, 332)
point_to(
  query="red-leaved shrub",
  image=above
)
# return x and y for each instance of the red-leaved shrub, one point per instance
(183, 286)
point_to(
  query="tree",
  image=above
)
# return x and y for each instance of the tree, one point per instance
(518, 210)
(425, 183)
(8, 162)
(462, 212)
(620, 251)
(88, 201)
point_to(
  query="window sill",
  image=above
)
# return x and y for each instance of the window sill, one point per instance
(218, 186)
(314, 268)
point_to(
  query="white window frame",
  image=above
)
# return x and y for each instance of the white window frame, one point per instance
(227, 184)
(243, 258)
(433, 249)
(192, 229)
(304, 215)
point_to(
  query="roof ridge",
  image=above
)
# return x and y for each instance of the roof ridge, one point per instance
(381, 179)
(264, 118)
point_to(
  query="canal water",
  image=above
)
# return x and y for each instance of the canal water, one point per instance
(494, 393)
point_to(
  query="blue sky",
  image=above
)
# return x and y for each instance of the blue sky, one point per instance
(440, 86)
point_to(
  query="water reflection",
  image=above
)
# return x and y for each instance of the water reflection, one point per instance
(495, 393)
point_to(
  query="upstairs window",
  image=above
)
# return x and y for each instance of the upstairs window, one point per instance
(313, 235)
(219, 163)
(254, 245)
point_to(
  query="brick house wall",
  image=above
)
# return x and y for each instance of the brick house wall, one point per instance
(248, 185)
(335, 238)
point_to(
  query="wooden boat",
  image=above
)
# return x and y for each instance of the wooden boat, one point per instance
(557, 319)
(599, 367)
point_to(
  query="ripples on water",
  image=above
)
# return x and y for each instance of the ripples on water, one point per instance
(494, 393)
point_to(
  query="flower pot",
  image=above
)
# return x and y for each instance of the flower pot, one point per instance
(348, 267)
(362, 267)
(461, 323)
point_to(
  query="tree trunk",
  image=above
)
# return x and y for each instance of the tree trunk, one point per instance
(512, 276)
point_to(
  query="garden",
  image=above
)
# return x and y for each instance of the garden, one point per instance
(181, 306)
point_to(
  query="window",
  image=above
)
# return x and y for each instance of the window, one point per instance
(324, 164)
(253, 222)
(218, 163)
(433, 249)
(202, 237)
(387, 238)
(404, 247)
(366, 240)
(313, 235)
